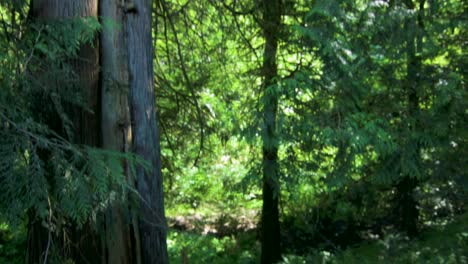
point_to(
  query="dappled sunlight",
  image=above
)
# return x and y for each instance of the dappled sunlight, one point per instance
(254, 131)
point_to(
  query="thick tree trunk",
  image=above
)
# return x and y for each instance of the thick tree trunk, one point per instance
(152, 222)
(115, 124)
(85, 121)
(270, 227)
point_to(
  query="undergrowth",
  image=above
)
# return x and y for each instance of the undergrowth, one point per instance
(439, 244)
(445, 243)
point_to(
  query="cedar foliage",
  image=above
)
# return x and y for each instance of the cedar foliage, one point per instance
(348, 136)
(44, 176)
(385, 102)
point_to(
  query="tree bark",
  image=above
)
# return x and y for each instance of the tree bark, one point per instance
(270, 227)
(127, 62)
(85, 121)
(116, 128)
(152, 222)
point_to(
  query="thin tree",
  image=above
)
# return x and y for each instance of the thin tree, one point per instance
(407, 204)
(270, 226)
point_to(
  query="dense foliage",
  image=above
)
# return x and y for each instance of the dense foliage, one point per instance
(370, 130)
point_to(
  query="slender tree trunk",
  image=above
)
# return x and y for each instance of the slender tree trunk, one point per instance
(152, 221)
(408, 210)
(270, 227)
(115, 124)
(407, 206)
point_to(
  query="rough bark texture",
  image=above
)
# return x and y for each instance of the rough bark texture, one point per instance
(270, 227)
(59, 9)
(86, 121)
(115, 123)
(152, 222)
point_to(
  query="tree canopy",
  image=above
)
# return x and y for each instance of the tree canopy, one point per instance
(266, 131)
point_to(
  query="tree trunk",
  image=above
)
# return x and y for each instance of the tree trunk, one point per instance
(270, 227)
(407, 204)
(152, 221)
(85, 121)
(116, 128)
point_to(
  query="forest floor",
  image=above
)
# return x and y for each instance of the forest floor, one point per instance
(444, 242)
(219, 225)
(226, 239)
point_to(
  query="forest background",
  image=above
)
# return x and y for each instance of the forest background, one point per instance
(286, 131)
